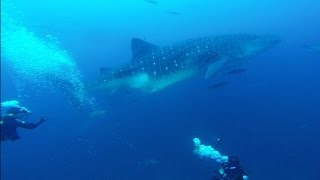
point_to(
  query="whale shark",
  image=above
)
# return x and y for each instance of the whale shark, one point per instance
(153, 68)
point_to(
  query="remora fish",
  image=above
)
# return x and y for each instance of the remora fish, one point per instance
(313, 47)
(218, 85)
(151, 1)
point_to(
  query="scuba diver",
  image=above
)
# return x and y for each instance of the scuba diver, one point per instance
(231, 170)
(12, 119)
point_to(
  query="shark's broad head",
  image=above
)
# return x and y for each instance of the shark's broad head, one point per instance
(153, 68)
(244, 45)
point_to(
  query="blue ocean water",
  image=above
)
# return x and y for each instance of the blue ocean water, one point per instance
(268, 115)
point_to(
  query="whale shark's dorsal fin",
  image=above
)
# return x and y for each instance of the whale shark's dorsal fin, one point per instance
(140, 47)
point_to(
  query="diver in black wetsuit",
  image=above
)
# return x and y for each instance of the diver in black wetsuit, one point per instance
(231, 170)
(12, 120)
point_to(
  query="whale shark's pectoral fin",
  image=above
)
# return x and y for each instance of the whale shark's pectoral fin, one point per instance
(215, 66)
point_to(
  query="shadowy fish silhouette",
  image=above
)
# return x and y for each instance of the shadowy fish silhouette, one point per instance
(218, 85)
(151, 1)
(236, 71)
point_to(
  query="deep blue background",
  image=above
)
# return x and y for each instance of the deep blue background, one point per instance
(269, 115)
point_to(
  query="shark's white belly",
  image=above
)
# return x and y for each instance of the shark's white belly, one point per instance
(145, 83)
(164, 82)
